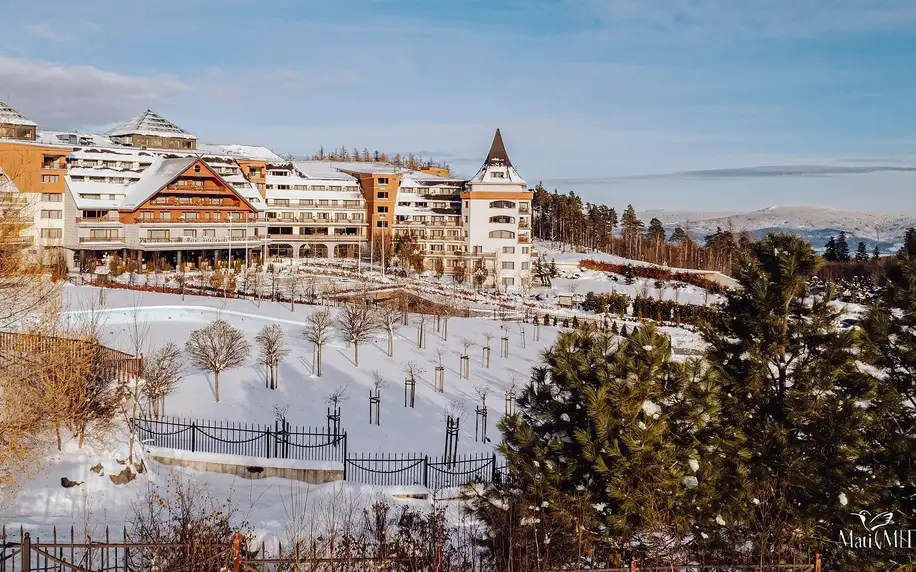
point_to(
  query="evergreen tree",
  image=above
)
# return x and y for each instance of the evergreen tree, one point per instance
(830, 250)
(792, 416)
(679, 236)
(629, 274)
(842, 248)
(909, 243)
(889, 330)
(861, 252)
(656, 232)
(876, 253)
(605, 456)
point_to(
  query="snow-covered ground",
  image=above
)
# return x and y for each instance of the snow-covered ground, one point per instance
(582, 281)
(42, 501)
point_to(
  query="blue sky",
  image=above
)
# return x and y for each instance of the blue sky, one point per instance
(660, 103)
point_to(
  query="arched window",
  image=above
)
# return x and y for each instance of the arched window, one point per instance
(502, 234)
(502, 219)
(502, 205)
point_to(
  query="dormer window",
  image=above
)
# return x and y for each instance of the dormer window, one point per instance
(197, 168)
(499, 175)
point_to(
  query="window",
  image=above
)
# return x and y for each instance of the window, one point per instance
(383, 180)
(502, 234)
(502, 205)
(283, 187)
(197, 168)
(508, 250)
(465, 218)
(209, 232)
(184, 200)
(502, 219)
(52, 197)
(508, 266)
(165, 215)
(157, 234)
(49, 214)
(498, 175)
(104, 234)
(381, 210)
(525, 250)
(238, 233)
(235, 216)
(50, 178)
(189, 216)
(526, 265)
(52, 232)
(465, 204)
(508, 281)
(281, 202)
(382, 224)
(381, 195)
(190, 233)
(341, 216)
(306, 202)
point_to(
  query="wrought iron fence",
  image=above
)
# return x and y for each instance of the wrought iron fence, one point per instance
(280, 441)
(283, 441)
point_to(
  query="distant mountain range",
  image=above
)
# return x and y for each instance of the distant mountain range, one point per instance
(814, 223)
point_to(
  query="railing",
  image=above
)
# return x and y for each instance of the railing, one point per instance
(524, 239)
(317, 237)
(324, 221)
(96, 219)
(524, 210)
(235, 222)
(101, 239)
(200, 239)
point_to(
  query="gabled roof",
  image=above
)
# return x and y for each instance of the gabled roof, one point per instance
(154, 178)
(150, 123)
(497, 154)
(9, 116)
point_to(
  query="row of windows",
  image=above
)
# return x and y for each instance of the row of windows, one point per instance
(52, 232)
(318, 216)
(52, 214)
(52, 197)
(309, 188)
(50, 178)
(511, 265)
(193, 233)
(192, 215)
(313, 202)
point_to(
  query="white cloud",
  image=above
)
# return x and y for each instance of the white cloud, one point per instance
(55, 95)
(44, 31)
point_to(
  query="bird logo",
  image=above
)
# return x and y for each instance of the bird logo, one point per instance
(873, 523)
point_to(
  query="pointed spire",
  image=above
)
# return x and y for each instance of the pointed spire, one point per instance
(497, 154)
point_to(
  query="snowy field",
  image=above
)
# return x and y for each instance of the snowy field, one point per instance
(42, 501)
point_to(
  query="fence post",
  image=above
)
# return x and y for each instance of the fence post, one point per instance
(426, 471)
(817, 562)
(345, 454)
(193, 436)
(268, 441)
(493, 475)
(236, 552)
(26, 552)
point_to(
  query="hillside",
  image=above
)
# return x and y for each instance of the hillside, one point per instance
(814, 223)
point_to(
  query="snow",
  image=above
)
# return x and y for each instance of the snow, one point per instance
(694, 465)
(240, 460)
(9, 116)
(651, 409)
(159, 174)
(254, 152)
(150, 123)
(843, 500)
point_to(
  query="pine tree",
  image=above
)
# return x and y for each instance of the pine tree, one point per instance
(656, 232)
(861, 252)
(842, 248)
(876, 253)
(889, 332)
(792, 414)
(605, 456)
(629, 274)
(631, 228)
(909, 242)
(830, 250)
(679, 236)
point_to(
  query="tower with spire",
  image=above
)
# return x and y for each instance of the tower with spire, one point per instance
(496, 213)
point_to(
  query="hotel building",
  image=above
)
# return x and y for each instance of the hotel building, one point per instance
(150, 191)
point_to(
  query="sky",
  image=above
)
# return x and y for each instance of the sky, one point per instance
(715, 105)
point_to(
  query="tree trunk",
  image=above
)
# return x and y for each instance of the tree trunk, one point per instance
(356, 354)
(390, 344)
(216, 384)
(445, 337)
(276, 375)
(319, 361)
(60, 444)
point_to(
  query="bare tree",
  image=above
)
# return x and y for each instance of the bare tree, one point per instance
(318, 329)
(138, 326)
(389, 318)
(338, 396)
(487, 348)
(378, 382)
(356, 324)
(217, 347)
(413, 370)
(421, 330)
(293, 285)
(162, 372)
(272, 348)
(482, 392)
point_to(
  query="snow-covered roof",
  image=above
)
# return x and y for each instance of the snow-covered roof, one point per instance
(73, 138)
(359, 167)
(150, 123)
(9, 116)
(254, 152)
(416, 179)
(159, 174)
(78, 189)
(322, 170)
(6, 184)
(414, 211)
(497, 169)
(115, 172)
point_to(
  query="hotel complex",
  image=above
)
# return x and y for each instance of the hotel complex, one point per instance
(149, 191)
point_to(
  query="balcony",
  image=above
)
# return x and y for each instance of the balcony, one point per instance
(523, 210)
(524, 224)
(316, 221)
(524, 239)
(97, 220)
(221, 221)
